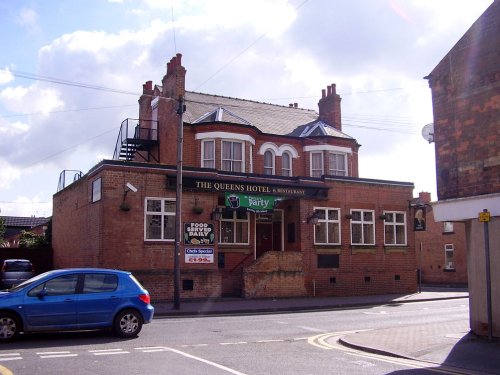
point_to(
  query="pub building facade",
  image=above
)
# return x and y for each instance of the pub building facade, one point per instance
(271, 202)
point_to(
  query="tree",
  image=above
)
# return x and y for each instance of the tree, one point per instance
(30, 240)
(2, 230)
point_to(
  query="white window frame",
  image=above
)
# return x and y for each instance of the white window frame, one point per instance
(364, 224)
(448, 227)
(449, 247)
(286, 171)
(394, 224)
(315, 170)
(269, 169)
(333, 169)
(96, 190)
(324, 222)
(205, 161)
(232, 160)
(235, 221)
(163, 213)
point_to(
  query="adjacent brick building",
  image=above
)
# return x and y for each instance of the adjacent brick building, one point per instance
(441, 249)
(465, 89)
(271, 202)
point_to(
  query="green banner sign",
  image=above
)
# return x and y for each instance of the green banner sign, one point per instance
(254, 203)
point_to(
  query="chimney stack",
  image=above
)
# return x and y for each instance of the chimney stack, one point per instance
(329, 107)
(174, 82)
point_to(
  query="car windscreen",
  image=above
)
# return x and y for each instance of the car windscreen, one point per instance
(18, 266)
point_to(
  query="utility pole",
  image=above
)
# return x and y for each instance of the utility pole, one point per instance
(178, 205)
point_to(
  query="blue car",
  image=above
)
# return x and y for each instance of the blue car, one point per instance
(75, 299)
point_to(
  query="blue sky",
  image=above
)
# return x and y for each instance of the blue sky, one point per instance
(278, 51)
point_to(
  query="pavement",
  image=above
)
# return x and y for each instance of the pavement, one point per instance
(448, 346)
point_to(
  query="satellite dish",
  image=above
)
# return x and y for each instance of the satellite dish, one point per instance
(428, 132)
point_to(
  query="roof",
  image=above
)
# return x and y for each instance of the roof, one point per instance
(25, 222)
(268, 118)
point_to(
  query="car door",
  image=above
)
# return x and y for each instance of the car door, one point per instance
(99, 300)
(52, 304)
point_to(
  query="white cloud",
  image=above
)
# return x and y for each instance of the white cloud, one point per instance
(5, 76)
(28, 18)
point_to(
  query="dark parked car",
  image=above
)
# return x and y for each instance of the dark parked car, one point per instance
(15, 271)
(75, 299)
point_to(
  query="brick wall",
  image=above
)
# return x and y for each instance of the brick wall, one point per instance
(466, 102)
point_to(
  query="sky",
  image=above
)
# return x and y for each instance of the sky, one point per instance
(72, 71)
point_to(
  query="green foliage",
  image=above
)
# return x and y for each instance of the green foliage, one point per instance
(30, 240)
(2, 229)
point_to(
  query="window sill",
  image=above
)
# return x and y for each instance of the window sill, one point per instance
(396, 249)
(368, 249)
(449, 270)
(327, 249)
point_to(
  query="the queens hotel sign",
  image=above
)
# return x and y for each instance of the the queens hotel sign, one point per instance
(233, 186)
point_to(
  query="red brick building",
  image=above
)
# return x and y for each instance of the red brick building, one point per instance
(465, 89)
(440, 248)
(271, 203)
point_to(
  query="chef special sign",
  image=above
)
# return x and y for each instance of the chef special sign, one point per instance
(199, 234)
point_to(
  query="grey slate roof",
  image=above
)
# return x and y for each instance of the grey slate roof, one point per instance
(24, 222)
(268, 118)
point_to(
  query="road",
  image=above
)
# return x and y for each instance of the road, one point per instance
(241, 345)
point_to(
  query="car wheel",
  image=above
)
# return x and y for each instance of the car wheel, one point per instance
(128, 323)
(9, 327)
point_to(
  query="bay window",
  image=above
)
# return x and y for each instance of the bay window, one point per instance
(337, 164)
(316, 164)
(232, 156)
(208, 154)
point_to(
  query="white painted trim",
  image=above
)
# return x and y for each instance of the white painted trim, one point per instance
(154, 102)
(268, 146)
(226, 136)
(466, 208)
(345, 150)
(290, 149)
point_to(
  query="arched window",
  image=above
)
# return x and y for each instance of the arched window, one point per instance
(268, 162)
(286, 164)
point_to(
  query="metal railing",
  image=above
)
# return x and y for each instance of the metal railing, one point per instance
(134, 132)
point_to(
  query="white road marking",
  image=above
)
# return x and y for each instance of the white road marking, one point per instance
(222, 367)
(234, 343)
(108, 351)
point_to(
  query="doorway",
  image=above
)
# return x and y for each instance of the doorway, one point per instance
(268, 232)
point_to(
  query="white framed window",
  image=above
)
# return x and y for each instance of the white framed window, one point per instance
(269, 162)
(232, 156)
(234, 227)
(448, 227)
(317, 164)
(208, 153)
(449, 251)
(159, 219)
(362, 227)
(395, 228)
(337, 164)
(327, 230)
(286, 164)
(96, 190)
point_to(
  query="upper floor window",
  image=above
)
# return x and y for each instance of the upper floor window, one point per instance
(208, 154)
(448, 227)
(268, 162)
(234, 227)
(327, 230)
(286, 164)
(317, 164)
(362, 227)
(159, 219)
(395, 228)
(337, 164)
(232, 156)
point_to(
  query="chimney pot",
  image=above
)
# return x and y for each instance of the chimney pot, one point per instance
(334, 88)
(323, 93)
(329, 90)
(295, 105)
(290, 105)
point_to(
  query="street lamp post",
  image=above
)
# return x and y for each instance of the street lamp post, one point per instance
(178, 205)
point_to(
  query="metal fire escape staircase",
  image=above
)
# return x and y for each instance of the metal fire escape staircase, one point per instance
(137, 138)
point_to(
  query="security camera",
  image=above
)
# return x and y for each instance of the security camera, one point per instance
(131, 187)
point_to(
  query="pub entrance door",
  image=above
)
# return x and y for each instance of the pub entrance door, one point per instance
(268, 232)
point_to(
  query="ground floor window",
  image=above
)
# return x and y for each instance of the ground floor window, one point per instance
(327, 230)
(362, 227)
(234, 227)
(448, 256)
(159, 219)
(395, 228)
